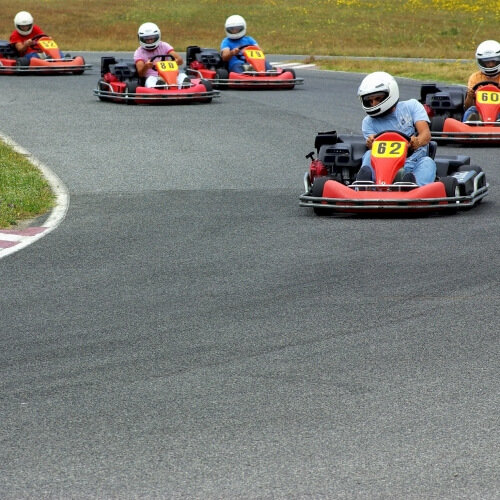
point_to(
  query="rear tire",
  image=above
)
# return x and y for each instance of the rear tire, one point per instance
(437, 123)
(220, 74)
(452, 190)
(208, 88)
(22, 61)
(317, 191)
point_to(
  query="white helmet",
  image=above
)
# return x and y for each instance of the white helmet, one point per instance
(380, 83)
(236, 27)
(488, 52)
(23, 19)
(149, 36)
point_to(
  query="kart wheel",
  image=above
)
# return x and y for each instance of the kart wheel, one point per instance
(290, 71)
(208, 88)
(22, 61)
(452, 190)
(130, 88)
(102, 88)
(437, 123)
(317, 191)
(220, 74)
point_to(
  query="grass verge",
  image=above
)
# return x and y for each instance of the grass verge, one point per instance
(24, 193)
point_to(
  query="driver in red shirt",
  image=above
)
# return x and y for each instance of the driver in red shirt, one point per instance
(22, 36)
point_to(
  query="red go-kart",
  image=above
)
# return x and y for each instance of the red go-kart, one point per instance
(331, 184)
(48, 62)
(121, 83)
(209, 65)
(445, 107)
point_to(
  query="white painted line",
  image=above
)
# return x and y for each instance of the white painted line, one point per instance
(57, 214)
(292, 65)
(305, 66)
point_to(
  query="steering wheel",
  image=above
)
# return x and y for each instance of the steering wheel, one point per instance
(37, 37)
(35, 40)
(164, 57)
(404, 136)
(485, 82)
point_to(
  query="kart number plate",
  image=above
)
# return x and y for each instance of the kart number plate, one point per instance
(388, 149)
(255, 54)
(47, 44)
(167, 66)
(488, 97)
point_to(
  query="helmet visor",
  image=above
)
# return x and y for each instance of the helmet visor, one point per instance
(234, 30)
(24, 27)
(489, 62)
(149, 39)
(371, 100)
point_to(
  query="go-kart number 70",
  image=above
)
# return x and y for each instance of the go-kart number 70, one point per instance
(255, 54)
(487, 96)
(388, 149)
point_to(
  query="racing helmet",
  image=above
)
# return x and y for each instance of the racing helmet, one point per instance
(488, 52)
(236, 27)
(22, 20)
(379, 85)
(149, 36)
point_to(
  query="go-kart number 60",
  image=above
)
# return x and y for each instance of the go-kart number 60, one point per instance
(388, 149)
(166, 66)
(488, 97)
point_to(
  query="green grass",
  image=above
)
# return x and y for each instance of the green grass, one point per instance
(438, 29)
(24, 193)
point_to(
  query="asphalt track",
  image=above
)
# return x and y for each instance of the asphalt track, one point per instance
(188, 331)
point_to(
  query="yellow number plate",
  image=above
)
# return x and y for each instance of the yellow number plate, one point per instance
(488, 96)
(167, 66)
(388, 149)
(255, 54)
(47, 44)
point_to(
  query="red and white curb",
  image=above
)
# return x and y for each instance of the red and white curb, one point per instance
(13, 240)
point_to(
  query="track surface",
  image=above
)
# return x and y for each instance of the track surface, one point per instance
(189, 332)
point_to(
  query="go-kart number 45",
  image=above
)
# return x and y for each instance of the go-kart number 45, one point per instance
(388, 149)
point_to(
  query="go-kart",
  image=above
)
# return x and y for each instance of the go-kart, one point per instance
(48, 62)
(445, 107)
(331, 185)
(121, 83)
(208, 64)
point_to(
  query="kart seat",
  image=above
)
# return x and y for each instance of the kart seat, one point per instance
(210, 58)
(124, 69)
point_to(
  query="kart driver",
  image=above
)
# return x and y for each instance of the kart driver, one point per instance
(379, 95)
(22, 36)
(488, 60)
(149, 36)
(236, 29)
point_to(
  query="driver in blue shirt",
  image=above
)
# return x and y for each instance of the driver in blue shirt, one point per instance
(379, 95)
(236, 29)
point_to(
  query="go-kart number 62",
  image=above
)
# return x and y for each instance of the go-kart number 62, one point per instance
(388, 149)
(488, 97)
